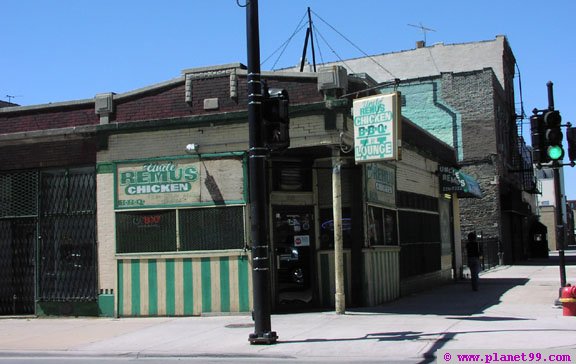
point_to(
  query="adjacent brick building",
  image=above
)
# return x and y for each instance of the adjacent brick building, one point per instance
(464, 95)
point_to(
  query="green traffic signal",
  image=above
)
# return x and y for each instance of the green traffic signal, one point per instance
(554, 136)
(555, 152)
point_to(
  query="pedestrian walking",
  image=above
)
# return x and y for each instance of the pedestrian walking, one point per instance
(474, 251)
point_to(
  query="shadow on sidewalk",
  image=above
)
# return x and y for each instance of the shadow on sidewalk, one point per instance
(437, 339)
(454, 299)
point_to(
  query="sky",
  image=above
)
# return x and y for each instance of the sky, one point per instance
(63, 50)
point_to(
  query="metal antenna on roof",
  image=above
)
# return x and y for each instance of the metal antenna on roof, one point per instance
(423, 29)
(10, 97)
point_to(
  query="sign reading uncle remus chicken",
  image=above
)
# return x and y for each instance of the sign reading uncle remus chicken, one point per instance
(181, 182)
(157, 183)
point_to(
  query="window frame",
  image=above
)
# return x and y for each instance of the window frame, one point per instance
(382, 233)
(178, 231)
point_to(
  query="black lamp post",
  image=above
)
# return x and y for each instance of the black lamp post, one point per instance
(257, 154)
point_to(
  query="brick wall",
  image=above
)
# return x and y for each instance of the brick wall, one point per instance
(170, 101)
(162, 102)
(482, 215)
(472, 94)
(155, 104)
(424, 106)
(106, 231)
(43, 155)
(48, 118)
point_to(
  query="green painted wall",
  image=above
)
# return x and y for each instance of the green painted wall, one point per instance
(424, 106)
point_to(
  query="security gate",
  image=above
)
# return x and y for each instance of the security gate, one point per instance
(67, 225)
(17, 238)
(47, 238)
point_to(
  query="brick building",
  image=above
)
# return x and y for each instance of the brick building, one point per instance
(120, 218)
(464, 95)
(548, 209)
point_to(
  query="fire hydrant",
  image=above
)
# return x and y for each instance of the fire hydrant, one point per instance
(568, 300)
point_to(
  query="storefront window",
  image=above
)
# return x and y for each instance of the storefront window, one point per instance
(382, 226)
(149, 231)
(212, 228)
(327, 228)
(427, 231)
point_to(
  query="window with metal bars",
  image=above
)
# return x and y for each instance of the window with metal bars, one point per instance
(18, 194)
(216, 228)
(209, 228)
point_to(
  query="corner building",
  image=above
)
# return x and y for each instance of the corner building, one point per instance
(132, 224)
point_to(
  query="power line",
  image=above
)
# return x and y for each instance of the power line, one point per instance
(319, 50)
(284, 45)
(355, 46)
(333, 51)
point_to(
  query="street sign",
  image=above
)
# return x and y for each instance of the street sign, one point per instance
(377, 128)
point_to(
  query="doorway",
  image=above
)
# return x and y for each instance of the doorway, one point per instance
(293, 238)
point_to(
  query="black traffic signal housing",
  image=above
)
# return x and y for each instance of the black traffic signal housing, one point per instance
(275, 119)
(571, 138)
(539, 145)
(554, 136)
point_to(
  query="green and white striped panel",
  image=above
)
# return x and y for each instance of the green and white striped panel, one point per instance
(184, 286)
(381, 275)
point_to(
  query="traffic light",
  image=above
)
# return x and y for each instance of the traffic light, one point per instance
(554, 135)
(538, 133)
(571, 137)
(275, 119)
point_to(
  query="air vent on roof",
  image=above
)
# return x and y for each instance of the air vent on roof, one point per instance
(334, 77)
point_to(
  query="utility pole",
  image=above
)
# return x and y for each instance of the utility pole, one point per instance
(309, 34)
(257, 153)
(559, 231)
(339, 297)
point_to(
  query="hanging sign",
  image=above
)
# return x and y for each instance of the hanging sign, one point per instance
(377, 128)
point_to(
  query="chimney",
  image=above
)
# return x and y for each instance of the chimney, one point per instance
(420, 44)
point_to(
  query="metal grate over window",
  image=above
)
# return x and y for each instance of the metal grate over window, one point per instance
(212, 228)
(18, 194)
(47, 237)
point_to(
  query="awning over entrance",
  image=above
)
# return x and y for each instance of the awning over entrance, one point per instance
(454, 180)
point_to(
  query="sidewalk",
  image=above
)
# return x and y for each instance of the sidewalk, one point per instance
(514, 309)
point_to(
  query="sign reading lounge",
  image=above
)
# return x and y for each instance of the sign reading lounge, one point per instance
(377, 128)
(157, 183)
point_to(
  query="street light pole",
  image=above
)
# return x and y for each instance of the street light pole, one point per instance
(257, 166)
